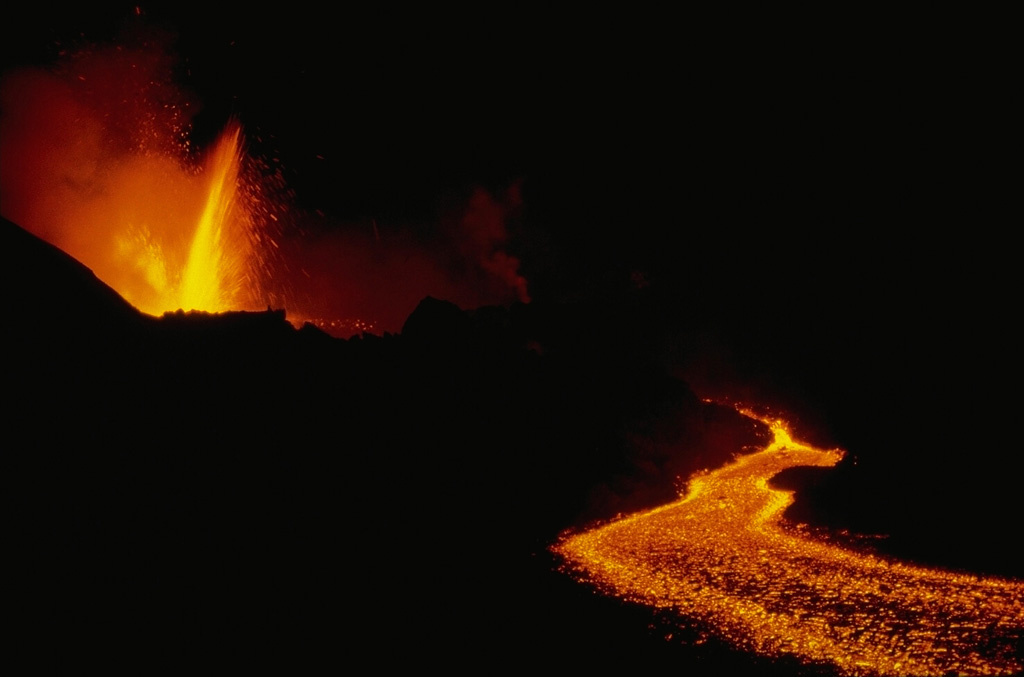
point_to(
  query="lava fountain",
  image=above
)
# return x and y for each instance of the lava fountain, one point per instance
(723, 557)
(209, 270)
(96, 157)
(209, 280)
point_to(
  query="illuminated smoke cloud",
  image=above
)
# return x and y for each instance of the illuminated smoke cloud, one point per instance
(485, 237)
(370, 277)
(96, 158)
(70, 132)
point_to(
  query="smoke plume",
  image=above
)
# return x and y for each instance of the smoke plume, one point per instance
(96, 157)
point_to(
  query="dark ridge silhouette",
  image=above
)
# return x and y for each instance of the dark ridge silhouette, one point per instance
(49, 292)
(229, 488)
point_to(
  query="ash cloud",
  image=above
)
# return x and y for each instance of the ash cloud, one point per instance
(374, 274)
(92, 152)
(483, 234)
(88, 143)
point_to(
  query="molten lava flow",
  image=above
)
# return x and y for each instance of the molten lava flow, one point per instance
(723, 556)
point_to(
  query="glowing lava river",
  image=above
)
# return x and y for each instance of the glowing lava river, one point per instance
(723, 557)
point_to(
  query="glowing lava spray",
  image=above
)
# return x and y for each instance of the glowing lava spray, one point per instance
(211, 277)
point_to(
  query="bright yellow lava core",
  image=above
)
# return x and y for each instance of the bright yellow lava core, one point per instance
(723, 556)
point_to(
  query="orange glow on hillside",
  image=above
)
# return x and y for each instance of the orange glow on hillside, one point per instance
(723, 558)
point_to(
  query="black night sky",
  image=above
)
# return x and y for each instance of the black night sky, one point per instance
(695, 148)
(640, 142)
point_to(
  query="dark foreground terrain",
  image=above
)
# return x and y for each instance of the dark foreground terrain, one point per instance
(230, 490)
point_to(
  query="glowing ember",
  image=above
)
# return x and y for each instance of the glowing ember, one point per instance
(723, 556)
(338, 327)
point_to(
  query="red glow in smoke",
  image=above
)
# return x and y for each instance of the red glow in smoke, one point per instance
(96, 157)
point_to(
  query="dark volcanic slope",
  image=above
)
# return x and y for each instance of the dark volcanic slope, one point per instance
(231, 488)
(49, 291)
(228, 486)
